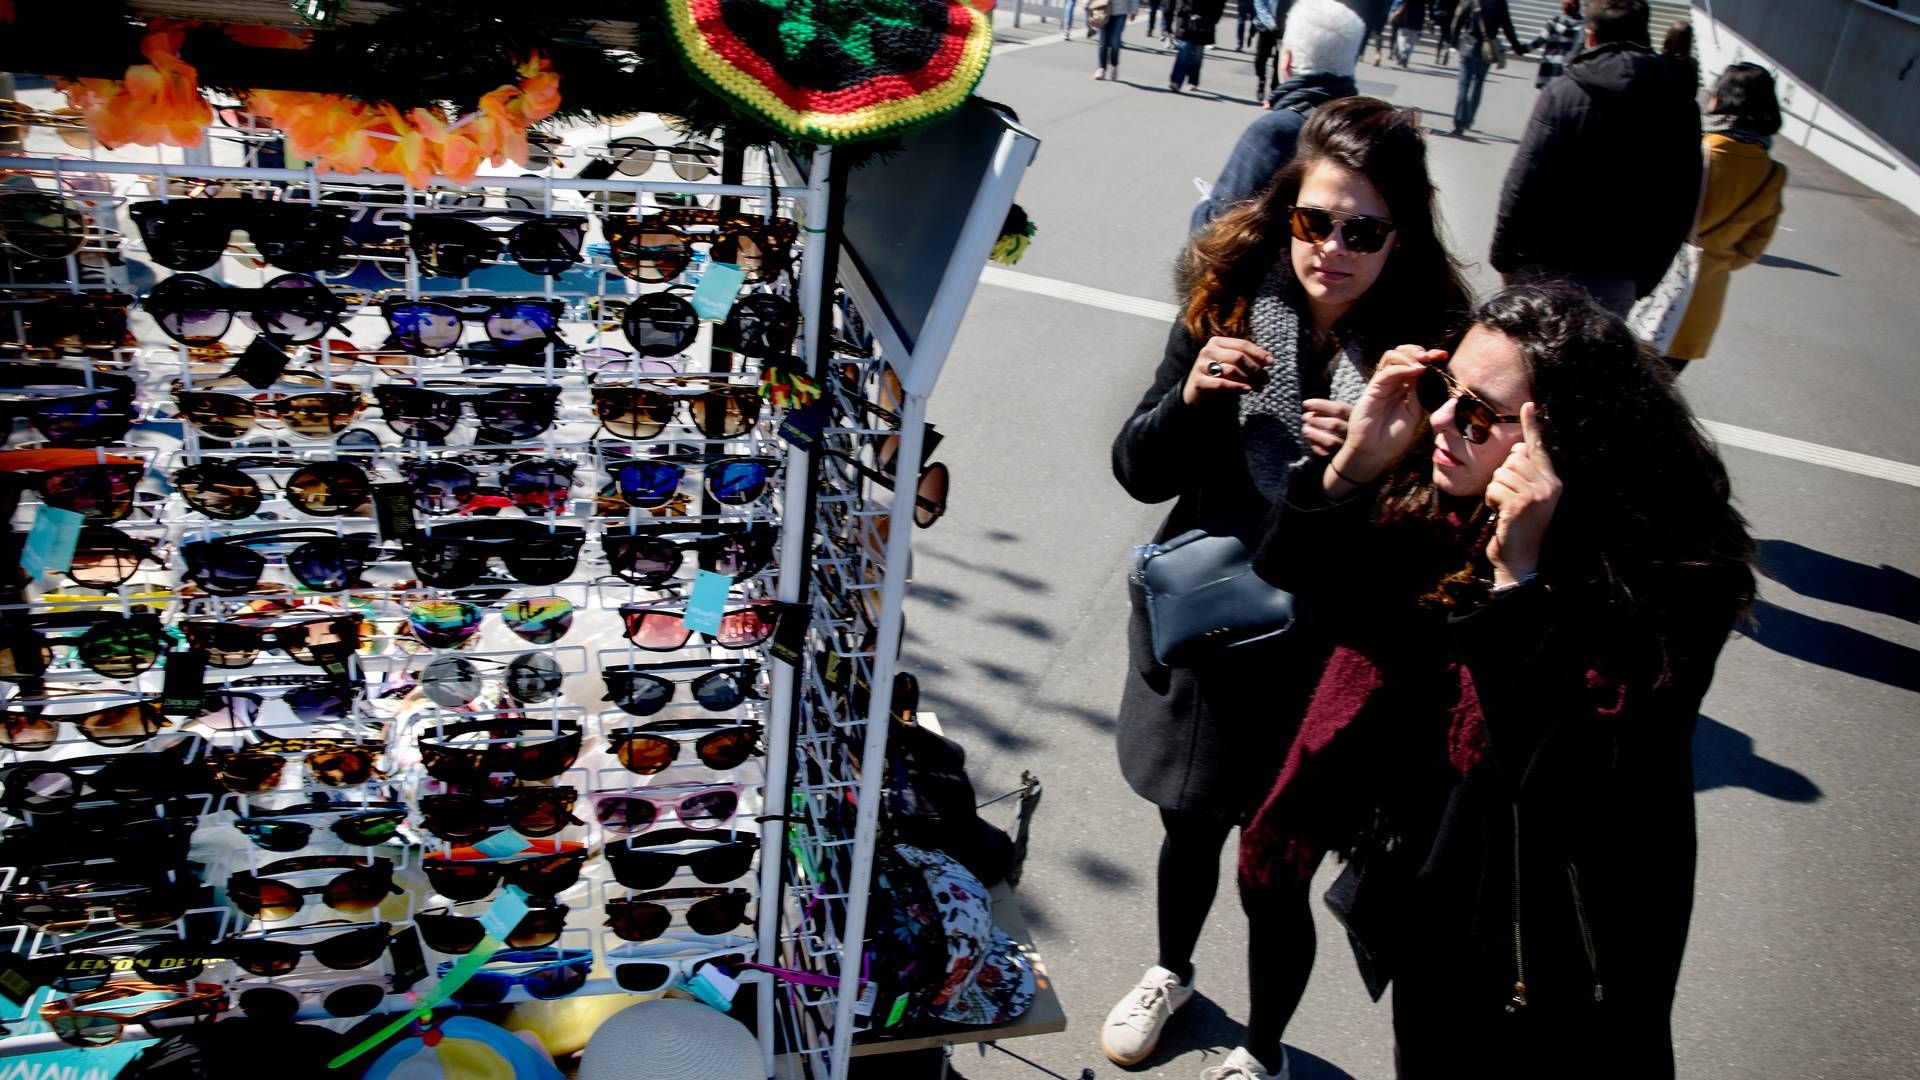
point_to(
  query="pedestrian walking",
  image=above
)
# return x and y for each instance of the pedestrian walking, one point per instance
(1559, 39)
(1117, 14)
(1192, 24)
(1477, 26)
(1289, 298)
(1741, 203)
(1153, 17)
(1567, 208)
(1443, 29)
(1408, 20)
(1677, 47)
(1318, 50)
(1068, 21)
(1266, 47)
(1545, 566)
(1242, 24)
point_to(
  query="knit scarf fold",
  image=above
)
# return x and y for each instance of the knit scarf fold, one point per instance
(1270, 416)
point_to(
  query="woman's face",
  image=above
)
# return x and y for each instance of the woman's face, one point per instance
(1333, 274)
(1489, 365)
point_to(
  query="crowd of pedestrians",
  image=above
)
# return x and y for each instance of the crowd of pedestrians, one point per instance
(1512, 552)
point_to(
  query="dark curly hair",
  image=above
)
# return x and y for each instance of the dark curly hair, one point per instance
(1420, 292)
(1645, 516)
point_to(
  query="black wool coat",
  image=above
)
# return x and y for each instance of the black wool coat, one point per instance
(1206, 739)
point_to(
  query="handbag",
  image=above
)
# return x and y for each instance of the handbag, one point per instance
(1369, 900)
(1098, 12)
(1490, 51)
(1202, 597)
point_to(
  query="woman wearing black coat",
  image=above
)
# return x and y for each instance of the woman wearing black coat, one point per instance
(1502, 736)
(1192, 23)
(1290, 296)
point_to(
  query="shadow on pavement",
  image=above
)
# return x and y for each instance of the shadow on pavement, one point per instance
(1821, 576)
(1778, 262)
(1725, 758)
(1201, 1024)
(1304, 1066)
(1831, 645)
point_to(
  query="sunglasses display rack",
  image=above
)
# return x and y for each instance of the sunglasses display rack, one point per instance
(432, 548)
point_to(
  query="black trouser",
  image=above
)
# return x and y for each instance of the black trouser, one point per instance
(1280, 935)
(1266, 59)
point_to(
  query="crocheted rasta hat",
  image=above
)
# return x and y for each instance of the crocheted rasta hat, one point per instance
(836, 71)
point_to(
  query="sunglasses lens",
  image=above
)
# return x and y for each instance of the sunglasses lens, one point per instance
(540, 815)
(104, 494)
(223, 416)
(708, 809)
(533, 678)
(449, 247)
(84, 420)
(425, 329)
(103, 558)
(540, 620)
(646, 754)
(456, 817)
(219, 491)
(545, 247)
(1430, 387)
(121, 652)
(930, 496)
(461, 882)
(317, 416)
(638, 694)
(737, 482)
(518, 324)
(451, 682)
(484, 988)
(1364, 237)
(311, 703)
(300, 313)
(357, 891)
(631, 413)
(623, 815)
(540, 927)
(368, 830)
(643, 977)
(340, 768)
(515, 415)
(726, 749)
(323, 565)
(638, 920)
(329, 489)
(1473, 419)
(452, 934)
(269, 900)
(357, 1000)
(660, 631)
(748, 627)
(556, 981)
(726, 413)
(723, 863)
(548, 875)
(721, 690)
(277, 835)
(539, 488)
(718, 914)
(82, 1029)
(643, 560)
(444, 624)
(543, 561)
(123, 725)
(648, 483)
(651, 256)
(661, 324)
(39, 788)
(260, 957)
(42, 226)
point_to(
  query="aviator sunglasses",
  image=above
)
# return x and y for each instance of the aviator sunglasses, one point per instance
(1473, 418)
(1363, 235)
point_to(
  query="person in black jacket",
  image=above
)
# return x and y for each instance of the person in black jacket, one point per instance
(1289, 297)
(1567, 207)
(1502, 736)
(1477, 26)
(1193, 24)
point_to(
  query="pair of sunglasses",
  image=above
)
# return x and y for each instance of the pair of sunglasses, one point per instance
(449, 624)
(68, 406)
(462, 817)
(547, 874)
(646, 750)
(191, 234)
(270, 954)
(637, 864)
(537, 755)
(537, 485)
(54, 787)
(235, 643)
(310, 414)
(292, 308)
(658, 247)
(432, 327)
(80, 1020)
(659, 629)
(644, 689)
(229, 566)
(66, 909)
(106, 558)
(353, 824)
(455, 681)
(646, 557)
(643, 412)
(456, 935)
(625, 813)
(78, 481)
(634, 156)
(1473, 418)
(456, 555)
(646, 916)
(735, 480)
(360, 888)
(222, 490)
(259, 766)
(929, 492)
(312, 698)
(26, 726)
(1363, 235)
(760, 325)
(508, 414)
(278, 1003)
(654, 976)
(62, 322)
(545, 975)
(41, 225)
(455, 243)
(110, 645)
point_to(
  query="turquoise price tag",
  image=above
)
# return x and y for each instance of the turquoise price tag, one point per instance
(713, 298)
(707, 601)
(502, 845)
(505, 913)
(49, 545)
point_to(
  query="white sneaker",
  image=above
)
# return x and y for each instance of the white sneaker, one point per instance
(1133, 1027)
(1241, 1065)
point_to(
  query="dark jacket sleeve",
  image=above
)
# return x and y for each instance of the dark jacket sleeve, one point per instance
(1297, 534)
(1674, 221)
(1529, 199)
(1266, 146)
(1163, 446)
(1505, 26)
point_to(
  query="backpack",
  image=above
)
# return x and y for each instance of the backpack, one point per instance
(1098, 12)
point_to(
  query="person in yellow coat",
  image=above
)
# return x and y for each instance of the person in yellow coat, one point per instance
(1741, 204)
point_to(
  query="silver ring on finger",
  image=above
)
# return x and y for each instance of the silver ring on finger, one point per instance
(1215, 367)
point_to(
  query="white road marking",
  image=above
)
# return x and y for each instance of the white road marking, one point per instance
(1726, 434)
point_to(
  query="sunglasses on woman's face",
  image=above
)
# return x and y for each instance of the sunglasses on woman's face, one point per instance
(432, 327)
(546, 875)
(1473, 418)
(537, 755)
(220, 489)
(456, 935)
(648, 558)
(292, 308)
(1363, 235)
(533, 812)
(453, 244)
(360, 888)
(510, 414)
(644, 689)
(643, 412)
(191, 234)
(324, 561)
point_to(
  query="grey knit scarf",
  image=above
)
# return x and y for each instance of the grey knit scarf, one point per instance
(1270, 416)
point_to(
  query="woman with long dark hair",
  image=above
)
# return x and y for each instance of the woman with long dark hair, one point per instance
(1500, 741)
(1289, 299)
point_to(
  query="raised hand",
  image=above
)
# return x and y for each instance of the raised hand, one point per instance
(1226, 366)
(1387, 418)
(1523, 493)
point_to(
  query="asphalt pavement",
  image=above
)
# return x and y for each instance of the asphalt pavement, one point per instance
(1802, 961)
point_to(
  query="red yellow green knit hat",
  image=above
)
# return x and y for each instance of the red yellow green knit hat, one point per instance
(836, 71)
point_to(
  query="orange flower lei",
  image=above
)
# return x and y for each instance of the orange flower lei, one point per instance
(339, 134)
(157, 103)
